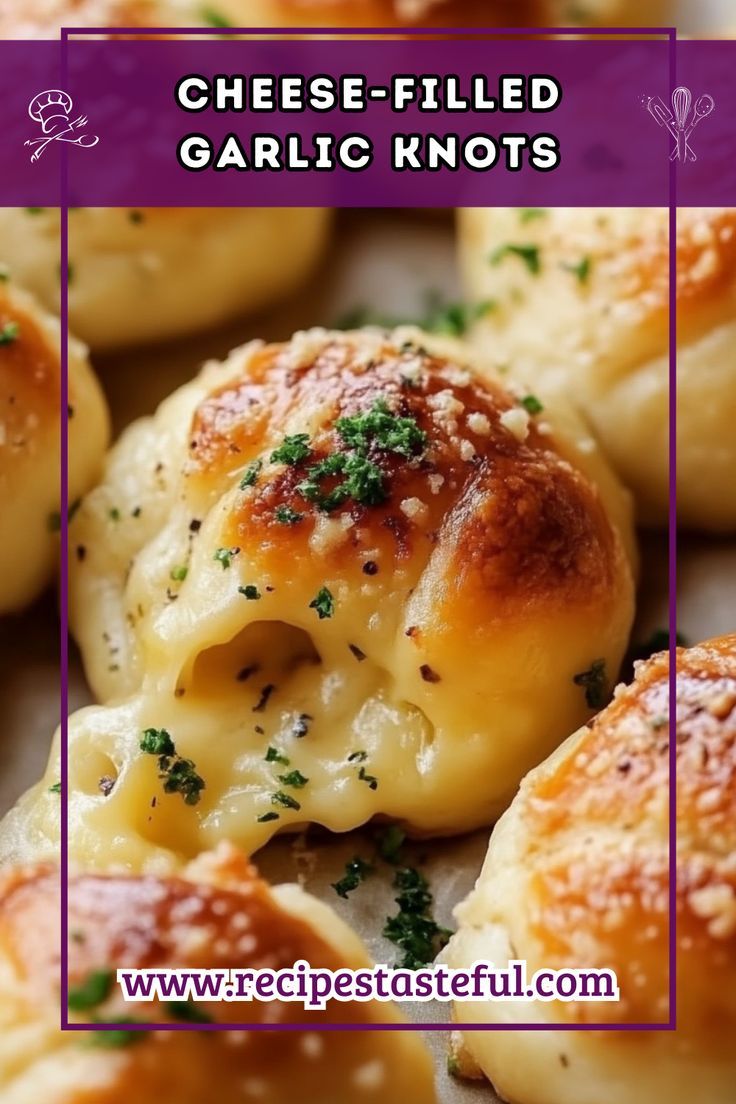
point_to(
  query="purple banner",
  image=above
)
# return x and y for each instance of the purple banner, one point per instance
(433, 123)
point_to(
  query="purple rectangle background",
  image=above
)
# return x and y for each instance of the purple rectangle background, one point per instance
(670, 1024)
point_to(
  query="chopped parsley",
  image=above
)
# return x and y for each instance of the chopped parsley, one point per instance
(9, 333)
(214, 18)
(56, 788)
(118, 1037)
(453, 1066)
(413, 929)
(389, 842)
(187, 1012)
(595, 684)
(323, 603)
(526, 252)
(95, 988)
(379, 428)
(179, 573)
(113, 513)
(225, 556)
(529, 214)
(178, 774)
(265, 817)
(136, 217)
(363, 481)
(273, 755)
(250, 591)
(293, 450)
(294, 778)
(531, 404)
(456, 318)
(34, 210)
(251, 474)
(285, 800)
(355, 871)
(286, 516)
(357, 756)
(580, 268)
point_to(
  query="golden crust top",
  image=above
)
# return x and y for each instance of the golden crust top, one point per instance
(596, 830)
(516, 521)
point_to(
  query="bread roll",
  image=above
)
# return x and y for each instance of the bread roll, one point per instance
(409, 634)
(30, 440)
(156, 273)
(582, 295)
(217, 914)
(577, 876)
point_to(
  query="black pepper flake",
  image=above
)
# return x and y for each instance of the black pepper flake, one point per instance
(370, 567)
(624, 766)
(81, 552)
(301, 725)
(260, 730)
(262, 702)
(106, 785)
(428, 674)
(195, 525)
(179, 692)
(245, 672)
(357, 652)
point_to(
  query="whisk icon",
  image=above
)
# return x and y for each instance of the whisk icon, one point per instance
(679, 121)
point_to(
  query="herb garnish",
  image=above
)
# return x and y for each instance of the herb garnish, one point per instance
(355, 871)
(323, 603)
(179, 573)
(285, 800)
(118, 1037)
(178, 775)
(224, 556)
(56, 788)
(581, 268)
(382, 429)
(294, 778)
(389, 842)
(413, 929)
(95, 988)
(265, 817)
(251, 592)
(187, 1012)
(286, 516)
(528, 214)
(595, 683)
(370, 779)
(526, 252)
(9, 333)
(251, 474)
(273, 755)
(292, 450)
(531, 404)
(214, 18)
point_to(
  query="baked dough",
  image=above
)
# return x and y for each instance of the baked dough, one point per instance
(217, 914)
(30, 440)
(577, 876)
(46, 17)
(156, 273)
(595, 282)
(458, 613)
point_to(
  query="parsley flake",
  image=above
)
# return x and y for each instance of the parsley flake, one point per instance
(413, 929)
(581, 268)
(531, 404)
(595, 684)
(9, 333)
(286, 516)
(177, 774)
(251, 474)
(251, 592)
(225, 556)
(95, 988)
(179, 573)
(526, 252)
(294, 778)
(355, 871)
(273, 755)
(285, 800)
(323, 603)
(292, 450)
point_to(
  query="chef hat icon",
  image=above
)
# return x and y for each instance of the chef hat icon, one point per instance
(50, 107)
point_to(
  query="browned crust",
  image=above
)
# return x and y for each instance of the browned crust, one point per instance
(515, 522)
(30, 379)
(612, 792)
